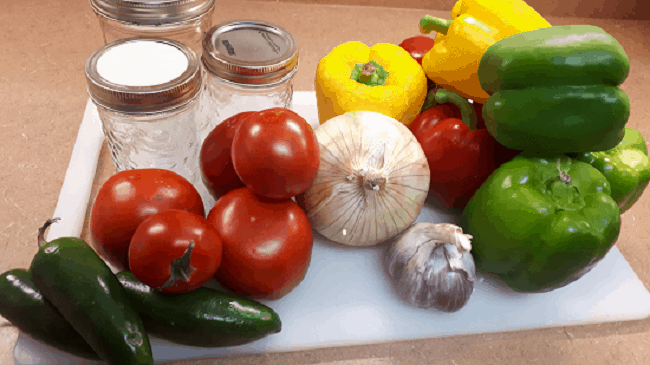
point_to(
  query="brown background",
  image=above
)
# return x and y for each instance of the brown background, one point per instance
(607, 9)
(43, 47)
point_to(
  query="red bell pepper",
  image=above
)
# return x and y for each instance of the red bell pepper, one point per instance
(417, 46)
(460, 156)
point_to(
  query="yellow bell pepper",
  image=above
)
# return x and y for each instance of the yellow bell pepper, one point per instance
(460, 43)
(383, 78)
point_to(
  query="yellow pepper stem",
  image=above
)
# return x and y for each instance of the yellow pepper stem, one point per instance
(371, 74)
(429, 24)
(366, 73)
(467, 112)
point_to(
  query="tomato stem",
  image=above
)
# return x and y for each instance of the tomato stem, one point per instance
(180, 268)
(41, 231)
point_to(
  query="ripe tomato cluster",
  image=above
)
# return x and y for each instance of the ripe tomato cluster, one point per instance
(151, 222)
(255, 241)
(254, 163)
(273, 152)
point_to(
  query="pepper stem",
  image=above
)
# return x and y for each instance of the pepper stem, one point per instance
(41, 231)
(429, 100)
(429, 24)
(564, 174)
(370, 73)
(467, 112)
(367, 71)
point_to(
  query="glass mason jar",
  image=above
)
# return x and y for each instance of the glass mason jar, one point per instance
(182, 20)
(248, 65)
(146, 92)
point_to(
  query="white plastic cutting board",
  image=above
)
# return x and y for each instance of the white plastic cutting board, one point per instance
(346, 297)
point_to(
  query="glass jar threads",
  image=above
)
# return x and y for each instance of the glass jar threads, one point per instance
(182, 20)
(249, 65)
(146, 92)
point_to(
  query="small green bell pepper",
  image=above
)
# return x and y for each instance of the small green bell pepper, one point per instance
(540, 222)
(626, 167)
(556, 89)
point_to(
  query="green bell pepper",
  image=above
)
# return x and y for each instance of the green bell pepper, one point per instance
(626, 167)
(540, 221)
(556, 89)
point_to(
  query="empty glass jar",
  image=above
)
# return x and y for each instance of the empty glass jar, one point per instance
(146, 92)
(249, 65)
(183, 20)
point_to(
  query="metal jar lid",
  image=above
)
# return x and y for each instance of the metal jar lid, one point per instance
(152, 12)
(153, 97)
(250, 52)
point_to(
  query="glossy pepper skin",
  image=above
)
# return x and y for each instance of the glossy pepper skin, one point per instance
(626, 167)
(460, 156)
(400, 95)
(417, 46)
(556, 90)
(475, 25)
(541, 222)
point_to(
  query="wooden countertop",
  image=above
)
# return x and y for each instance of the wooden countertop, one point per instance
(43, 47)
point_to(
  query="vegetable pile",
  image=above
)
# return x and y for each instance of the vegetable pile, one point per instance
(540, 219)
(150, 225)
(516, 125)
(501, 80)
(71, 300)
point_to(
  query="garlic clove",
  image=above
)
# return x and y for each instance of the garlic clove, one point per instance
(447, 289)
(460, 261)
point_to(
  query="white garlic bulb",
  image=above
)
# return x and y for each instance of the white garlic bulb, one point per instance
(432, 267)
(372, 181)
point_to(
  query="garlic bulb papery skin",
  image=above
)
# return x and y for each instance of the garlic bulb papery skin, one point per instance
(372, 180)
(432, 267)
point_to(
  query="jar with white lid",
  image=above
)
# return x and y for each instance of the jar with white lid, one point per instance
(182, 20)
(248, 65)
(146, 92)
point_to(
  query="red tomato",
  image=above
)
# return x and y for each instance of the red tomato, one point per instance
(217, 170)
(175, 251)
(417, 46)
(128, 198)
(275, 153)
(266, 244)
